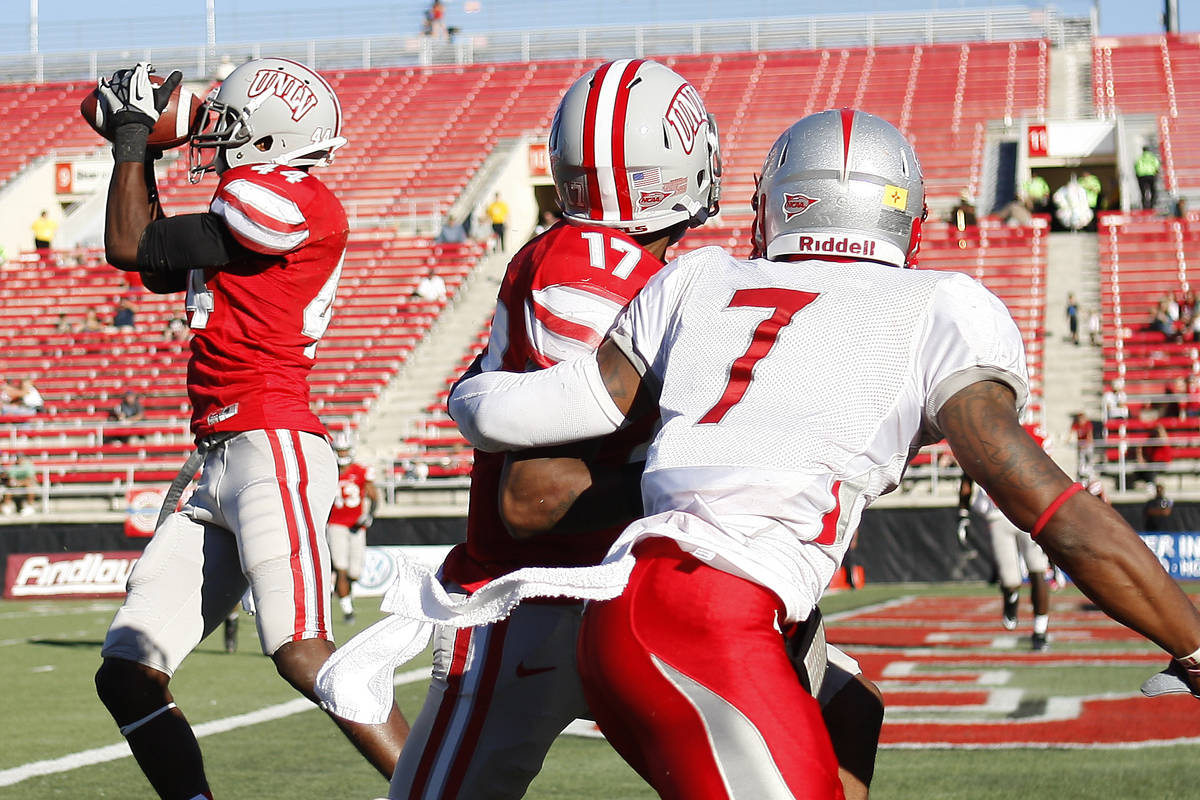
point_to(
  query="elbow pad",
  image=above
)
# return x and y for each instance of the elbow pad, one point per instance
(568, 402)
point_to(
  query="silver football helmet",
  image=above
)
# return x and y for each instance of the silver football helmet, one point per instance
(343, 446)
(270, 110)
(632, 147)
(840, 183)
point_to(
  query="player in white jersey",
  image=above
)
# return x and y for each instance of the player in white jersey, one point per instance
(783, 418)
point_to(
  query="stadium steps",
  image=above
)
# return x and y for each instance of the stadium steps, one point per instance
(1077, 370)
(401, 407)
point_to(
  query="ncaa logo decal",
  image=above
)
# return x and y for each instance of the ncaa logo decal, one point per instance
(685, 113)
(647, 200)
(296, 93)
(796, 204)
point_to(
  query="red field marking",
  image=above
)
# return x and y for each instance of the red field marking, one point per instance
(1100, 722)
(937, 695)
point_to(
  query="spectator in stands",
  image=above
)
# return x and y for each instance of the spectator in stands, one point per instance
(1153, 456)
(1156, 513)
(21, 480)
(1037, 193)
(1071, 208)
(91, 322)
(1093, 323)
(545, 223)
(1116, 403)
(1084, 435)
(1162, 321)
(452, 231)
(23, 399)
(63, 325)
(1191, 403)
(130, 409)
(1146, 167)
(435, 20)
(1173, 407)
(44, 229)
(963, 213)
(124, 314)
(1073, 317)
(431, 288)
(1179, 208)
(497, 212)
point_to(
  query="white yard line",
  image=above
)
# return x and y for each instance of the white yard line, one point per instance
(112, 752)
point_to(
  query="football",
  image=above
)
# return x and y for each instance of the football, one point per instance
(172, 127)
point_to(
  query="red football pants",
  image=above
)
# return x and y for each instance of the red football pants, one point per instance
(687, 676)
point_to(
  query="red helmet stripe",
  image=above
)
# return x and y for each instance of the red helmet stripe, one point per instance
(595, 203)
(620, 107)
(847, 128)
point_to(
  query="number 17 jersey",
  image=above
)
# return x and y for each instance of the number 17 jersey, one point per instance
(559, 297)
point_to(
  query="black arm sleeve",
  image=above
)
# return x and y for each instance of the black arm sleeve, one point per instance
(187, 241)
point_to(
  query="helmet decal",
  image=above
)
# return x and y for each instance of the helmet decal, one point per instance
(796, 204)
(686, 115)
(288, 88)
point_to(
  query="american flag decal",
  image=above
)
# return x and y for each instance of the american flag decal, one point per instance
(647, 177)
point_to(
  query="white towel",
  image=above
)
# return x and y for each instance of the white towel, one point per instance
(356, 682)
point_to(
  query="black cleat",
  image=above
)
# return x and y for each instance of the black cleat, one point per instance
(1009, 614)
(1039, 643)
(231, 627)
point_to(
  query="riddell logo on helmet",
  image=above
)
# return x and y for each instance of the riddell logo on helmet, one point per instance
(835, 244)
(685, 113)
(296, 93)
(796, 204)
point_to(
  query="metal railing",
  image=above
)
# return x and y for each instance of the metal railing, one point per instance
(600, 42)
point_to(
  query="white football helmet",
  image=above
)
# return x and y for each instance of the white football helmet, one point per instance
(840, 183)
(343, 445)
(633, 148)
(270, 110)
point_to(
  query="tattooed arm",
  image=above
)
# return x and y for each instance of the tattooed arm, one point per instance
(1086, 537)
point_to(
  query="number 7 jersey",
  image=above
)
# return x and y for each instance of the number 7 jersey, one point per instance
(794, 393)
(257, 320)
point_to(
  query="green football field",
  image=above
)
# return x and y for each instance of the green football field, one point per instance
(971, 712)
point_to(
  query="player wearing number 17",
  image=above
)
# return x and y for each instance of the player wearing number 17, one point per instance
(260, 269)
(783, 418)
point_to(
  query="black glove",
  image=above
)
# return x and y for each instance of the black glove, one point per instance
(132, 106)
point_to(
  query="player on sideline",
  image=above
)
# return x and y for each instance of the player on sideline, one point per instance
(260, 268)
(511, 688)
(353, 512)
(783, 417)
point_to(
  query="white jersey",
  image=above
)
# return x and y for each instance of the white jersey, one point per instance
(793, 395)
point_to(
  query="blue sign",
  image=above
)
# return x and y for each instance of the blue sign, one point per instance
(1179, 553)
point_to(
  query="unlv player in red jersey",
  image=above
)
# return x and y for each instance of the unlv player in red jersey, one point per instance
(260, 268)
(353, 512)
(636, 163)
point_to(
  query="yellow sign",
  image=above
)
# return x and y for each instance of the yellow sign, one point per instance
(895, 197)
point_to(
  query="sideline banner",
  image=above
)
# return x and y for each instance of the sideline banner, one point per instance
(68, 575)
(1179, 553)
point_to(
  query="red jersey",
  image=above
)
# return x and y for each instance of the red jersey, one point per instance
(257, 319)
(560, 295)
(352, 490)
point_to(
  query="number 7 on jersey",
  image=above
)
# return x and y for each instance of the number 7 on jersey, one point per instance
(786, 303)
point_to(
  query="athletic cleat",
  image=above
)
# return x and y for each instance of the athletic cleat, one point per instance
(1009, 614)
(1039, 642)
(231, 626)
(348, 618)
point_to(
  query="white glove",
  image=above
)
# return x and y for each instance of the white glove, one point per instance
(129, 96)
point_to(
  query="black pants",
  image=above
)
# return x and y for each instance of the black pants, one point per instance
(1147, 184)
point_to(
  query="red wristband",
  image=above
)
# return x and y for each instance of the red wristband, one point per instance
(1054, 507)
